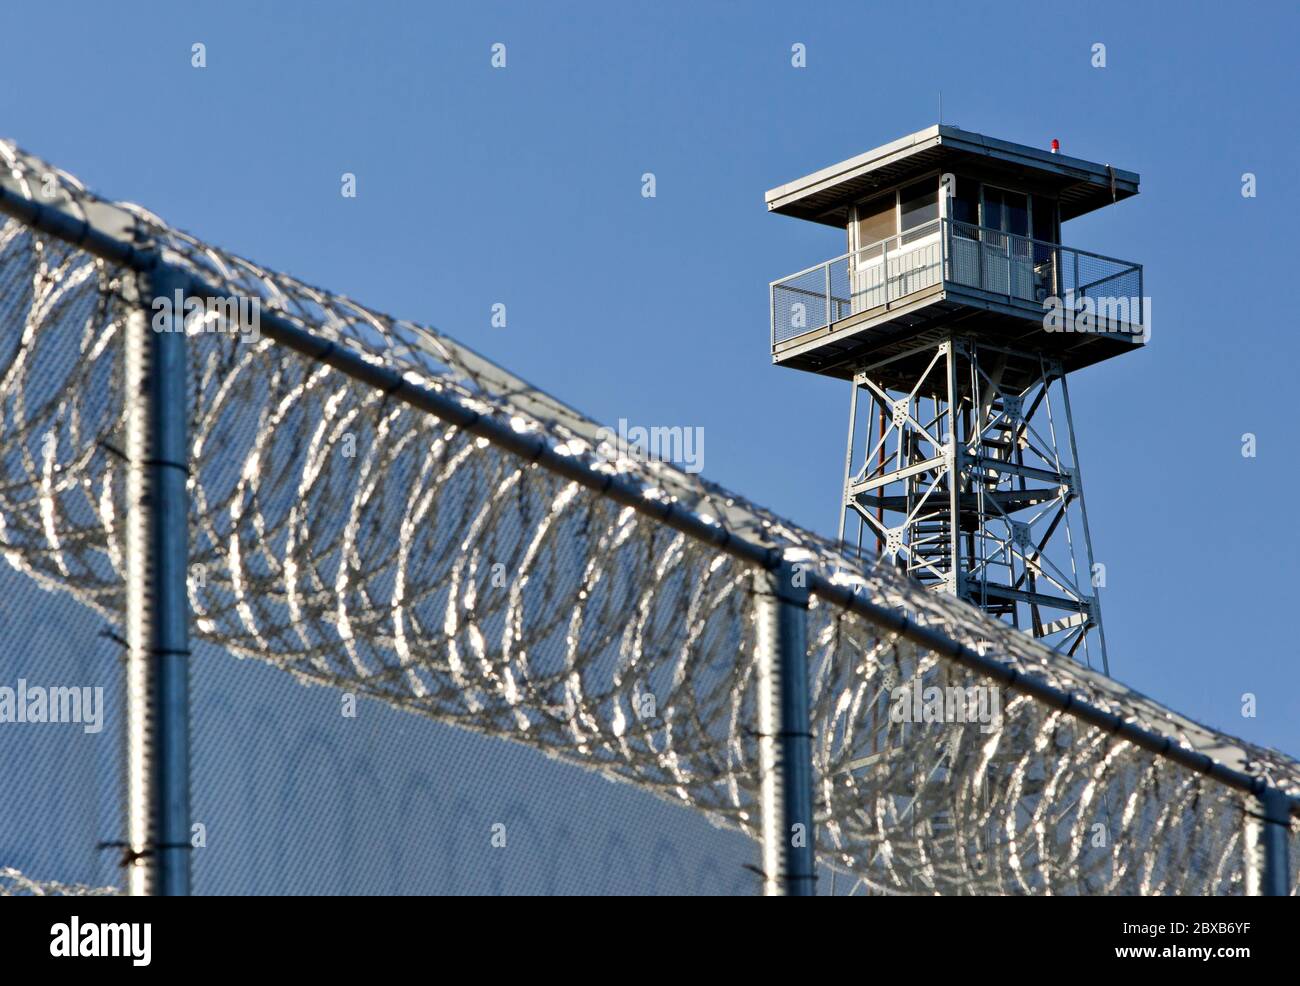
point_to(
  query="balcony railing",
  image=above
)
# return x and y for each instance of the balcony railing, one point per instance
(1018, 268)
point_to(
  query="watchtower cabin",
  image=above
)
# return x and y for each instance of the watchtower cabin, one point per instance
(957, 312)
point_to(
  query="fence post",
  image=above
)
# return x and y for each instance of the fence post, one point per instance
(884, 268)
(1268, 832)
(784, 744)
(157, 608)
(771, 307)
(830, 317)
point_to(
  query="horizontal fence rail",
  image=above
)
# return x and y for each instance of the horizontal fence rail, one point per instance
(372, 572)
(963, 255)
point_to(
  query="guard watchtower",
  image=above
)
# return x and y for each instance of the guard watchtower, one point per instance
(956, 313)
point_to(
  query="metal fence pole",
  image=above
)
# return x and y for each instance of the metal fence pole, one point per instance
(1268, 834)
(157, 609)
(785, 745)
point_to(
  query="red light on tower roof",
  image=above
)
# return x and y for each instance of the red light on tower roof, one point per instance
(1056, 145)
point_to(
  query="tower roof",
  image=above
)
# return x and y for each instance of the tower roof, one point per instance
(825, 195)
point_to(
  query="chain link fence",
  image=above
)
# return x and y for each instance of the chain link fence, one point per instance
(446, 639)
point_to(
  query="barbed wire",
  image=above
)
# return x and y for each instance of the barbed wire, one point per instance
(14, 883)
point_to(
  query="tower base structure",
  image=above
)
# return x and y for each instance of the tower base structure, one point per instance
(961, 465)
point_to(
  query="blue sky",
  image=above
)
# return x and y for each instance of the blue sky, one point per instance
(522, 186)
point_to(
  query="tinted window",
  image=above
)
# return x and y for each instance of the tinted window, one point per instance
(1044, 227)
(966, 202)
(1017, 210)
(1044, 219)
(920, 204)
(992, 208)
(966, 208)
(875, 220)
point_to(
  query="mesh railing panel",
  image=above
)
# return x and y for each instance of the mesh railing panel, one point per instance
(1021, 268)
(857, 282)
(807, 301)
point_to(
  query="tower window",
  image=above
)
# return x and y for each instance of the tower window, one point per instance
(876, 220)
(966, 208)
(919, 204)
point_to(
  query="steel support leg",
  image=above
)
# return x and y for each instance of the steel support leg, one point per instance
(956, 579)
(1087, 533)
(157, 609)
(784, 744)
(848, 457)
(1268, 837)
